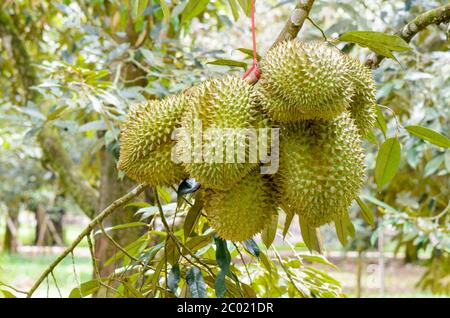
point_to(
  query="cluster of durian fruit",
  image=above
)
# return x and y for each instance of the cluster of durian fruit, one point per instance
(322, 101)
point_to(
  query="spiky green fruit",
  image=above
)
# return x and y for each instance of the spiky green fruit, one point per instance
(146, 145)
(363, 105)
(302, 81)
(321, 168)
(237, 214)
(219, 112)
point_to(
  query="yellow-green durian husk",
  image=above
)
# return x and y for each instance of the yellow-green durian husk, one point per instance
(146, 145)
(321, 168)
(363, 106)
(219, 104)
(239, 213)
(304, 80)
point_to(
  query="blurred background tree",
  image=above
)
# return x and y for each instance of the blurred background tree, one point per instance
(70, 70)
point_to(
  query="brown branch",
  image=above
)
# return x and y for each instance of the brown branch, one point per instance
(291, 28)
(87, 230)
(421, 22)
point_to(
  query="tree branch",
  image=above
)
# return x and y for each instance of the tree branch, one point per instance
(87, 230)
(422, 21)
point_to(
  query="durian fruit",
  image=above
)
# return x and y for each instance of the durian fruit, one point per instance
(363, 106)
(301, 81)
(321, 168)
(219, 112)
(146, 145)
(237, 214)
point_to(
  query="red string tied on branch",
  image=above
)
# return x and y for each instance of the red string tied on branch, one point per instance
(254, 68)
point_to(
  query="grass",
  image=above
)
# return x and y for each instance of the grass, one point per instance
(22, 271)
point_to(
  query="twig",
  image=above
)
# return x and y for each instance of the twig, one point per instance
(435, 16)
(177, 242)
(99, 218)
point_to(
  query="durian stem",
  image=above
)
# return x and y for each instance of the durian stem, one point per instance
(419, 23)
(87, 231)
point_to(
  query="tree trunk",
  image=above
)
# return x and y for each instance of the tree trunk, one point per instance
(112, 188)
(10, 242)
(49, 230)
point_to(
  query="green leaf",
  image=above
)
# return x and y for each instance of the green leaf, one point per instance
(121, 226)
(429, 135)
(252, 247)
(388, 161)
(138, 8)
(249, 52)
(366, 213)
(138, 204)
(172, 253)
(165, 10)
(223, 256)
(173, 279)
(85, 289)
(192, 9)
(164, 195)
(266, 262)
(227, 62)
(433, 165)
(198, 242)
(381, 122)
(56, 113)
(196, 283)
(287, 222)
(310, 236)
(246, 6)
(192, 218)
(341, 231)
(318, 259)
(220, 284)
(234, 9)
(378, 42)
(270, 231)
(7, 294)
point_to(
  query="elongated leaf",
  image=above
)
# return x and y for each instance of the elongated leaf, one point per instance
(388, 161)
(173, 279)
(138, 8)
(429, 135)
(192, 218)
(56, 113)
(433, 165)
(196, 283)
(192, 9)
(246, 6)
(7, 294)
(381, 122)
(165, 10)
(227, 62)
(223, 256)
(121, 226)
(366, 213)
(252, 247)
(172, 253)
(310, 236)
(341, 231)
(270, 231)
(197, 242)
(318, 259)
(287, 222)
(220, 284)
(164, 194)
(85, 289)
(188, 185)
(249, 52)
(234, 9)
(378, 42)
(349, 226)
